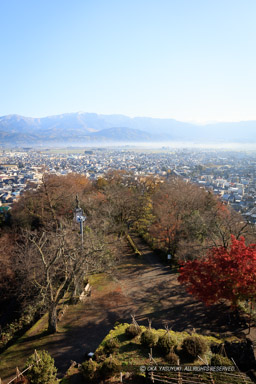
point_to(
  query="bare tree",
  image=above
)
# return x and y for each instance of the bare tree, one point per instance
(189, 220)
(123, 203)
(52, 258)
(55, 264)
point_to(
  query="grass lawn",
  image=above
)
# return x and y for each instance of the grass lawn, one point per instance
(131, 353)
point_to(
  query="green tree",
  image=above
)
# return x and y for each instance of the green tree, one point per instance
(42, 369)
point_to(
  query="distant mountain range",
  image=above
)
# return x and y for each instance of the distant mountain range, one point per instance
(89, 128)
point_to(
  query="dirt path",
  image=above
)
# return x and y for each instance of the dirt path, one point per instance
(144, 287)
(140, 286)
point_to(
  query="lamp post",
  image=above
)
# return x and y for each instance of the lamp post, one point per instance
(169, 255)
(79, 218)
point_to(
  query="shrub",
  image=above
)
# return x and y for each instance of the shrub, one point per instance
(215, 347)
(100, 355)
(89, 369)
(220, 360)
(11, 330)
(193, 346)
(111, 345)
(172, 358)
(166, 343)
(149, 338)
(138, 379)
(109, 367)
(42, 369)
(133, 331)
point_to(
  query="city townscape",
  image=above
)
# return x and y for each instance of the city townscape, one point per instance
(231, 175)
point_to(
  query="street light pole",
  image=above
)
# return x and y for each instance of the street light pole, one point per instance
(79, 217)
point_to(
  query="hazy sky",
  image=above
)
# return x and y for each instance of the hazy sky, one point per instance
(192, 60)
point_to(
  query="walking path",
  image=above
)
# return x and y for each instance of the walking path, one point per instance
(140, 285)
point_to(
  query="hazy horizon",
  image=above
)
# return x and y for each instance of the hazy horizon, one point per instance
(165, 146)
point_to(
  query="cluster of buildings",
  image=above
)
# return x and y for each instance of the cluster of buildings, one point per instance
(228, 174)
(15, 179)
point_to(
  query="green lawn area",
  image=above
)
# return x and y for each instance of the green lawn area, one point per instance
(131, 353)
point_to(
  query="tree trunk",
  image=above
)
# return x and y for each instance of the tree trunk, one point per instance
(77, 287)
(250, 319)
(75, 294)
(52, 321)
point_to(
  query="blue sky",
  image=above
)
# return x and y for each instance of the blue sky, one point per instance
(192, 60)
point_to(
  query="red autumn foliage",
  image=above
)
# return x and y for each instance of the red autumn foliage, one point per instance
(226, 273)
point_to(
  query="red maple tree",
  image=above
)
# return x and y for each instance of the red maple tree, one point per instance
(226, 273)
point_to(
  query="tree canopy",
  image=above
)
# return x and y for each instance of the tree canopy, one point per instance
(226, 273)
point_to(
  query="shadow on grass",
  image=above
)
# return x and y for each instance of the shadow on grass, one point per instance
(122, 337)
(75, 378)
(131, 347)
(33, 338)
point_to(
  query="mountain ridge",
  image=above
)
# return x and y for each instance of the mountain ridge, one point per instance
(87, 127)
